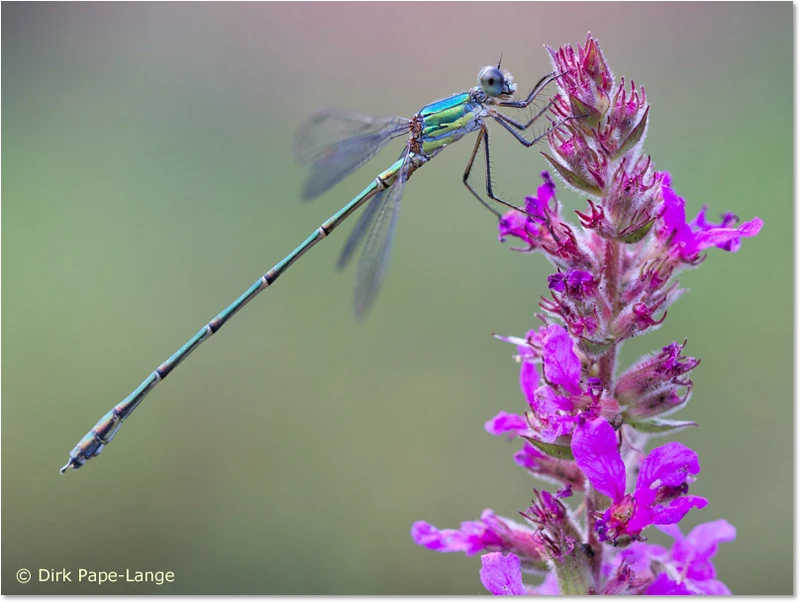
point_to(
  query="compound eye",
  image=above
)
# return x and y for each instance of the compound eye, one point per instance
(491, 80)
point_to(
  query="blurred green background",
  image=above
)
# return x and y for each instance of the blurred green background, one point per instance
(148, 180)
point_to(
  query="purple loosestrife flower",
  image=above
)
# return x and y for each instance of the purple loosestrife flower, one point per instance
(685, 241)
(686, 568)
(491, 533)
(543, 227)
(554, 406)
(660, 495)
(584, 422)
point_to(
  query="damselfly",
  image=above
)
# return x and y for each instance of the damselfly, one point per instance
(335, 143)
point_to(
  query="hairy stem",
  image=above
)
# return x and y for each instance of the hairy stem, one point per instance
(611, 271)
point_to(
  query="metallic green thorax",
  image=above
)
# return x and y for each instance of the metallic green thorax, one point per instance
(448, 120)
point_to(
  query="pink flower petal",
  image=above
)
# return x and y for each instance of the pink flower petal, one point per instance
(502, 575)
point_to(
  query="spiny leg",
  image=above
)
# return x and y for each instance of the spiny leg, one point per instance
(467, 171)
(504, 121)
(483, 135)
(540, 85)
(524, 126)
(517, 104)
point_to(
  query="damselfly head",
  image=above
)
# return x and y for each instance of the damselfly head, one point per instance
(495, 83)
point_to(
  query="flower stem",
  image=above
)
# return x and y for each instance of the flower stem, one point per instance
(574, 578)
(592, 540)
(611, 271)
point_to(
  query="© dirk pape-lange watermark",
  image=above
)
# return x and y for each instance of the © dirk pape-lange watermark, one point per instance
(51, 575)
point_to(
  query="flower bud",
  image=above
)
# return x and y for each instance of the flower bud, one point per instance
(655, 375)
